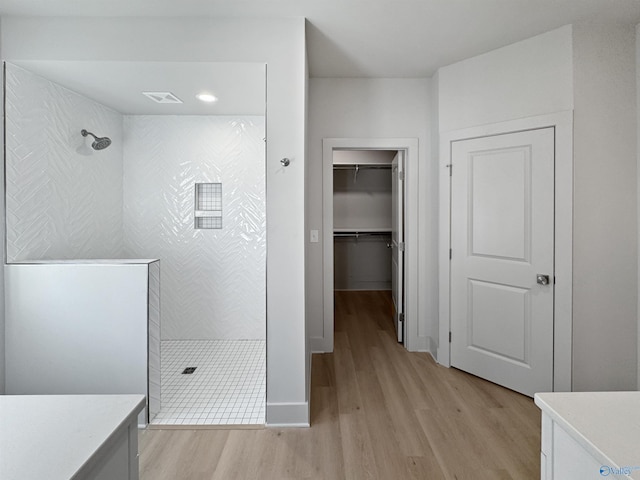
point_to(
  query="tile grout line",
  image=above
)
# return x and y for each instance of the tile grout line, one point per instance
(227, 387)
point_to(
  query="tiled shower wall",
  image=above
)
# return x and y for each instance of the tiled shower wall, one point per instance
(213, 281)
(64, 200)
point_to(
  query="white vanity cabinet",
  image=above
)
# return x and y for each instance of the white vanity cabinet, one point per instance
(84, 327)
(62, 437)
(590, 435)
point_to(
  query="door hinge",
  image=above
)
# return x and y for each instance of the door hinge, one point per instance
(401, 176)
(449, 337)
(450, 167)
(401, 246)
(401, 317)
(450, 254)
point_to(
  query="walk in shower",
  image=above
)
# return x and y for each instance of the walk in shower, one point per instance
(181, 181)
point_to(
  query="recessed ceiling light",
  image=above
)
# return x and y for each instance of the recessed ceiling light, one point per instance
(206, 97)
(162, 97)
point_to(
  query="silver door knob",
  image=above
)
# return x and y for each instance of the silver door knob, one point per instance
(542, 279)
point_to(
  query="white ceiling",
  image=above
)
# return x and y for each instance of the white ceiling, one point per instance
(239, 87)
(373, 38)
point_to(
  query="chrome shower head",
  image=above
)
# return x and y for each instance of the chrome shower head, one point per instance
(99, 143)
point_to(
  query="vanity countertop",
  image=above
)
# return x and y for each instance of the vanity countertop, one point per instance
(55, 436)
(605, 424)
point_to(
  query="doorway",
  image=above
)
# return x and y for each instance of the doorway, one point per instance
(378, 236)
(561, 124)
(368, 212)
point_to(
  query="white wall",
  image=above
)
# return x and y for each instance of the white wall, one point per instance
(528, 78)
(638, 179)
(371, 108)
(4, 260)
(605, 209)
(364, 202)
(79, 329)
(64, 199)
(306, 227)
(213, 281)
(280, 43)
(434, 201)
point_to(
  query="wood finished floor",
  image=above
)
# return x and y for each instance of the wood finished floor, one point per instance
(377, 412)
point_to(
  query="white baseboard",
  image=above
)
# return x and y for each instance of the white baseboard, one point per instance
(308, 379)
(432, 348)
(288, 414)
(320, 345)
(440, 357)
(421, 344)
(426, 344)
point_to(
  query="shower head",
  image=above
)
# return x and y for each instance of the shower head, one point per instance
(99, 143)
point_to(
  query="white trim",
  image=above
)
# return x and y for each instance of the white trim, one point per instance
(563, 124)
(287, 414)
(410, 146)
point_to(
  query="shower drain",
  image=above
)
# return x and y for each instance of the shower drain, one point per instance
(189, 370)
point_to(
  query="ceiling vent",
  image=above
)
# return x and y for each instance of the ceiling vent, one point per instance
(162, 97)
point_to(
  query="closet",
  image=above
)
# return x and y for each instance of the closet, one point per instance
(364, 202)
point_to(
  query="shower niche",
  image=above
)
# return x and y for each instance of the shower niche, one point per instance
(208, 206)
(96, 173)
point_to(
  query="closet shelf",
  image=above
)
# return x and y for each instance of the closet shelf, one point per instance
(362, 230)
(356, 232)
(338, 166)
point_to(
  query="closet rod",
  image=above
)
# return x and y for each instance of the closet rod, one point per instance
(361, 234)
(360, 166)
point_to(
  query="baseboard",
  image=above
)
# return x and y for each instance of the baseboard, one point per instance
(440, 357)
(433, 348)
(288, 414)
(319, 345)
(308, 379)
(426, 344)
(422, 344)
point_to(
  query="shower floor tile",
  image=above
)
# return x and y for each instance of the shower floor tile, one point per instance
(227, 387)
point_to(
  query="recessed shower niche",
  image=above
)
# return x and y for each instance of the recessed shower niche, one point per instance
(208, 205)
(134, 199)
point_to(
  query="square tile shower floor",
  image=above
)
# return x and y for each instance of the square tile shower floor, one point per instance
(227, 386)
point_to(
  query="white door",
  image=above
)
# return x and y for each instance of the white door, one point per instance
(397, 242)
(502, 213)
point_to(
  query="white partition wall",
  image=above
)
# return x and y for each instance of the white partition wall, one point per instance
(81, 328)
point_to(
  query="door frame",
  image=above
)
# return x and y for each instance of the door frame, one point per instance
(562, 122)
(411, 253)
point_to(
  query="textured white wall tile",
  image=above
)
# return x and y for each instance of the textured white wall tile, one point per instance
(153, 397)
(61, 202)
(213, 281)
(64, 204)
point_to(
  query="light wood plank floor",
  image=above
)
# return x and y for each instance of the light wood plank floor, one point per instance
(377, 412)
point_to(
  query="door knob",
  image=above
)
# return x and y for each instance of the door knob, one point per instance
(542, 279)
